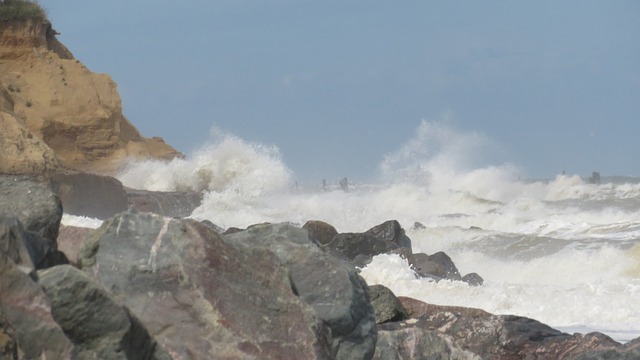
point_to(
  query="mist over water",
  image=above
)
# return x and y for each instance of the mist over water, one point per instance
(564, 251)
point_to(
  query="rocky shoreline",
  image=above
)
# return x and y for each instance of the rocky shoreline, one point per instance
(148, 286)
(153, 284)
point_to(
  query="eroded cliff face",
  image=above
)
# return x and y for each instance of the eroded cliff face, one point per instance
(50, 99)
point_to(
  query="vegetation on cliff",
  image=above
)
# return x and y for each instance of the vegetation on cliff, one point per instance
(21, 9)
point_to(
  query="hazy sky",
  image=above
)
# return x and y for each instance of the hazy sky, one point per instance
(337, 85)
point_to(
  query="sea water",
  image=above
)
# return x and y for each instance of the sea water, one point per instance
(564, 251)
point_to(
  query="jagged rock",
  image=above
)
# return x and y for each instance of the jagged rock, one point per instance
(169, 203)
(90, 195)
(337, 294)
(33, 203)
(26, 249)
(76, 113)
(26, 308)
(199, 296)
(99, 327)
(392, 232)
(386, 305)
(438, 266)
(489, 336)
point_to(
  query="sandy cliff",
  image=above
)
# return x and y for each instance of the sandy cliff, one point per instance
(55, 113)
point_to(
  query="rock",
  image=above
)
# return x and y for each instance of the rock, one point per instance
(8, 342)
(489, 336)
(473, 279)
(351, 245)
(320, 231)
(418, 226)
(337, 294)
(438, 265)
(70, 239)
(213, 226)
(33, 203)
(76, 113)
(199, 296)
(386, 305)
(404, 341)
(99, 327)
(28, 250)
(392, 232)
(15, 247)
(90, 195)
(24, 306)
(169, 203)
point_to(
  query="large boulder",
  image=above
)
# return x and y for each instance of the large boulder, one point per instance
(199, 296)
(489, 336)
(99, 327)
(337, 294)
(25, 314)
(26, 249)
(90, 195)
(33, 203)
(360, 248)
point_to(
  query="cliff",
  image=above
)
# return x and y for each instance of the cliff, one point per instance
(55, 114)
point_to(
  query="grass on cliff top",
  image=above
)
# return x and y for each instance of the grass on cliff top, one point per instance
(21, 9)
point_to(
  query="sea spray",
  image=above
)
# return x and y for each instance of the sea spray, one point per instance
(227, 164)
(562, 250)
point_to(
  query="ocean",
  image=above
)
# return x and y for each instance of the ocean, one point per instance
(564, 251)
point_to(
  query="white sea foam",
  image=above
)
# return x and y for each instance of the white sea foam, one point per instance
(562, 251)
(80, 221)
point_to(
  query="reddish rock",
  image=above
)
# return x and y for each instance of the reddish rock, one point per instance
(320, 231)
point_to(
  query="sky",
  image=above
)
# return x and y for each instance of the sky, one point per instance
(338, 85)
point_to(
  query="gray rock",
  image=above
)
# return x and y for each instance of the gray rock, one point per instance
(91, 195)
(386, 305)
(199, 296)
(167, 203)
(473, 279)
(351, 245)
(438, 265)
(99, 327)
(33, 203)
(26, 308)
(392, 232)
(337, 294)
(33, 251)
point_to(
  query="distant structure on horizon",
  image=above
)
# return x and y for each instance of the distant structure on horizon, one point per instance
(595, 178)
